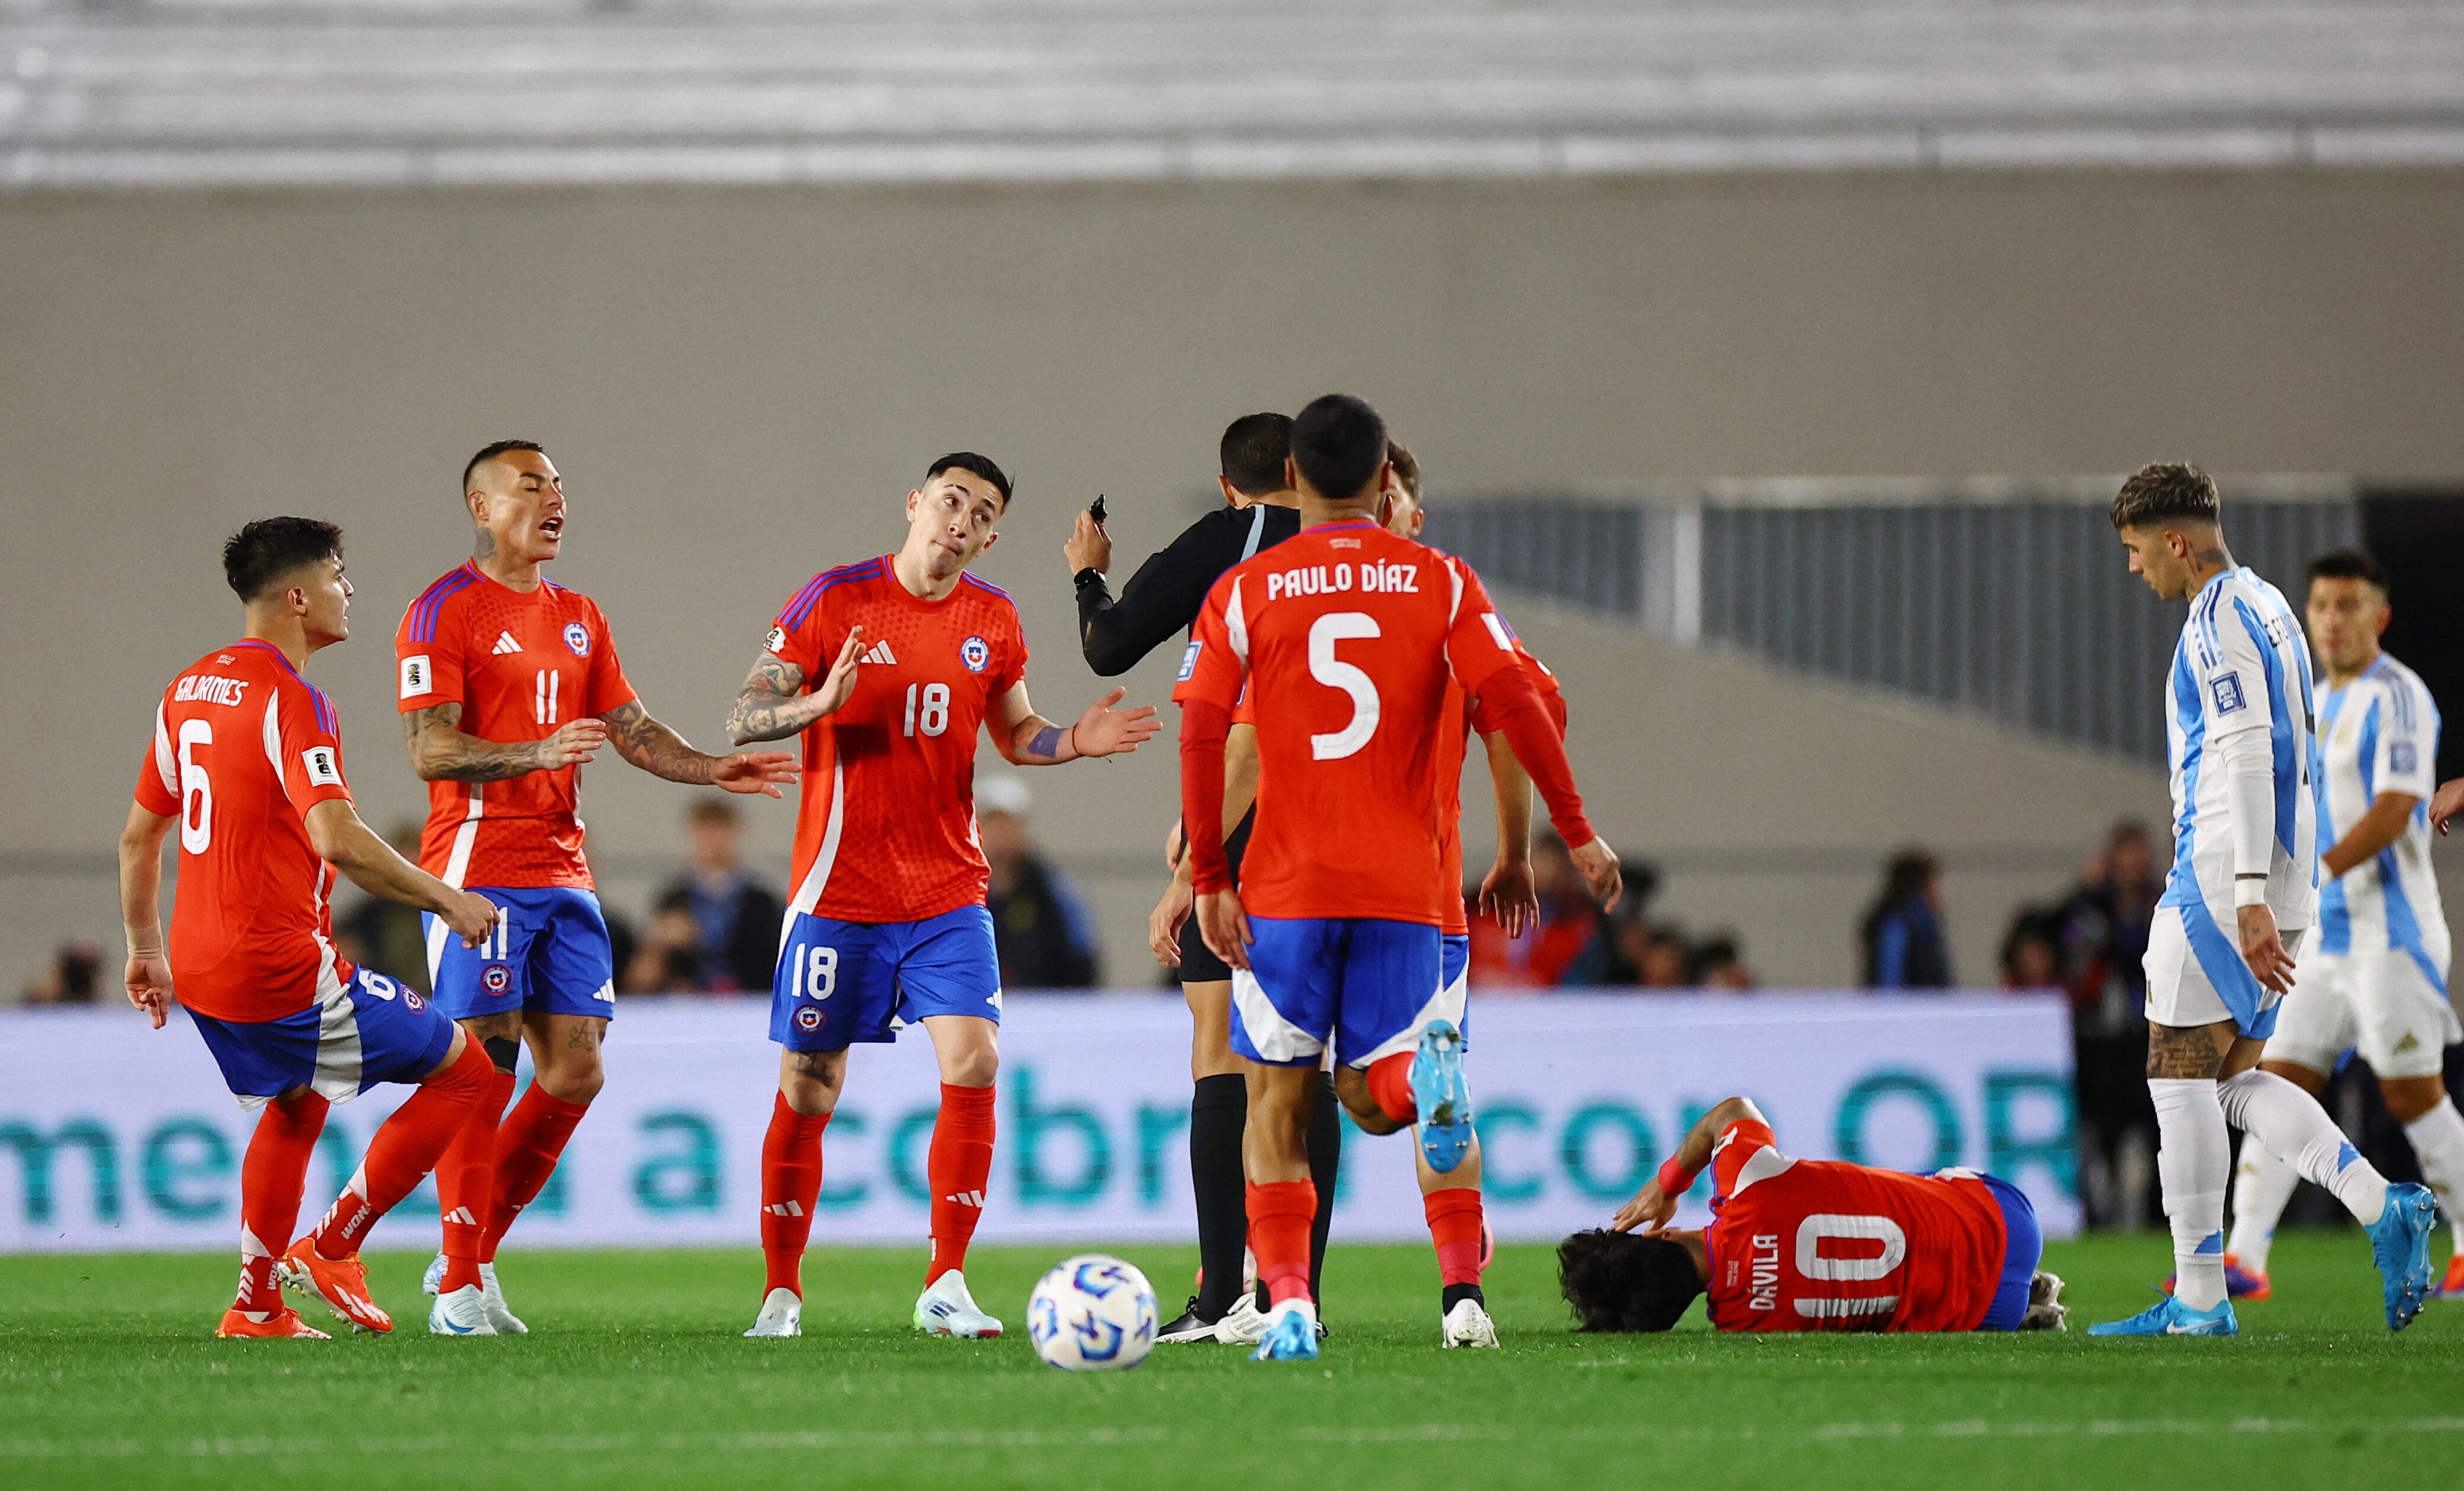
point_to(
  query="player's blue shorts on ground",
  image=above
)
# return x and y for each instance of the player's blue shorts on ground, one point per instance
(357, 1034)
(1367, 988)
(549, 952)
(839, 983)
(1454, 977)
(2022, 1250)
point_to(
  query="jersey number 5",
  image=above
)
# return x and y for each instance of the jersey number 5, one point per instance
(1332, 671)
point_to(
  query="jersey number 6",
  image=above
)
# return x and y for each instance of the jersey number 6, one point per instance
(196, 793)
(1332, 671)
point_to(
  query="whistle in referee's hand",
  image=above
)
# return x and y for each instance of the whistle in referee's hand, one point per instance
(1095, 508)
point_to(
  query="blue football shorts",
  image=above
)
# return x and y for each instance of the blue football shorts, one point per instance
(358, 1033)
(840, 983)
(549, 953)
(1366, 988)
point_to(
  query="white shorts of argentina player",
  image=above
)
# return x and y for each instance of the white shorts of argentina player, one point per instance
(2382, 1005)
(2237, 721)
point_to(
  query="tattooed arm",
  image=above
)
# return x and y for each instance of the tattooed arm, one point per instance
(769, 707)
(440, 752)
(663, 753)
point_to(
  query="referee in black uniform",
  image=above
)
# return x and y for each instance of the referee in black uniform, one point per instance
(1159, 604)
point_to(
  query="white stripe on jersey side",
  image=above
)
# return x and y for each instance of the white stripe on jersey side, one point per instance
(1454, 604)
(1846, 1309)
(1236, 621)
(808, 891)
(166, 762)
(1761, 1165)
(274, 739)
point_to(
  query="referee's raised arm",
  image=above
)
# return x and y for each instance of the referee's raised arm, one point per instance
(1163, 598)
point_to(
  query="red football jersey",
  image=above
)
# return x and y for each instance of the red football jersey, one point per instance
(1822, 1245)
(243, 748)
(885, 825)
(1349, 638)
(1454, 742)
(520, 664)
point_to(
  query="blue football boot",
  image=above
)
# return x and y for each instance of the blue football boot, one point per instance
(2400, 1247)
(1443, 1097)
(1292, 1336)
(2170, 1317)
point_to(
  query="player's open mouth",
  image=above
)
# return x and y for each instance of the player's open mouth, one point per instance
(553, 527)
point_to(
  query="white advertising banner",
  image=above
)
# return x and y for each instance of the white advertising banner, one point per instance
(114, 1136)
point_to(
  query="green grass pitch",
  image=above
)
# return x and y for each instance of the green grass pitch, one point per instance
(634, 1376)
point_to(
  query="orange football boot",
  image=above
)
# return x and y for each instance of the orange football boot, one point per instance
(338, 1284)
(2452, 1287)
(282, 1325)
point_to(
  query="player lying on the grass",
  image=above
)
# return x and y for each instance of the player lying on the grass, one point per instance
(1346, 638)
(247, 764)
(2238, 728)
(887, 668)
(2375, 977)
(1812, 1246)
(510, 684)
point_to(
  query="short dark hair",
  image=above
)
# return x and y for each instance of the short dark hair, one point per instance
(1407, 465)
(270, 548)
(2168, 491)
(1253, 450)
(973, 465)
(1339, 443)
(1621, 1281)
(490, 451)
(2350, 565)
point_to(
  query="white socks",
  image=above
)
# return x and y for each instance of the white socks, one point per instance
(2438, 1142)
(2262, 1187)
(2291, 1123)
(2193, 1161)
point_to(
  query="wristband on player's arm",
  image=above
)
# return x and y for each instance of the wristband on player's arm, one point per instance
(1675, 1179)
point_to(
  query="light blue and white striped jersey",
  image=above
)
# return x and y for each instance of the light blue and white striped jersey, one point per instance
(2380, 734)
(2242, 664)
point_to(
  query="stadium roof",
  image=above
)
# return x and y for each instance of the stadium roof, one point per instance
(156, 93)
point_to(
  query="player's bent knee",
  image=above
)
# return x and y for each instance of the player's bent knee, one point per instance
(2409, 1098)
(1352, 1087)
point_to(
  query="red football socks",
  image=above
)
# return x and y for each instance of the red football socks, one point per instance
(960, 1166)
(1454, 1225)
(466, 1180)
(406, 1146)
(1390, 1087)
(270, 1180)
(1279, 1215)
(528, 1143)
(791, 1183)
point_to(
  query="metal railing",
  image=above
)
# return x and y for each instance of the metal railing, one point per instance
(2012, 600)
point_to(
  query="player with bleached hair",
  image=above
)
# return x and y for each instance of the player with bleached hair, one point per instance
(2375, 977)
(2238, 732)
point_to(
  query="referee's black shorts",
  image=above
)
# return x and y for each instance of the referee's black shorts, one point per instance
(1198, 963)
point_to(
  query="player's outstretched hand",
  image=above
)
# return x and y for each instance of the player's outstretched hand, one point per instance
(1650, 1209)
(838, 684)
(1598, 864)
(573, 745)
(2263, 950)
(1088, 547)
(1105, 731)
(2445, 804)
(764, 772)
(149, 985)
(471, 917)
(1510, 897)
(1224, 925)
(1165, 921)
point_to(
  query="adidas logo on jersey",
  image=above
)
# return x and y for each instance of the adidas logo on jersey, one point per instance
(2410, 1042)
(505, 643)
(880, 653)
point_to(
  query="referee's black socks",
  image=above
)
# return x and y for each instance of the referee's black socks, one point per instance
(1218, 1112)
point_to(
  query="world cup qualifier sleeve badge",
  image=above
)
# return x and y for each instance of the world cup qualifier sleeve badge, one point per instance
(977, 653)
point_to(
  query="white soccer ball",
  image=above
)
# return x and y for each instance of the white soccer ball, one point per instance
(1093, 1313)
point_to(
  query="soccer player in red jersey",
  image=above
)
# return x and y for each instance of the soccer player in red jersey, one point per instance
(1812, 1245)
(247, 764)
(510, 684)
(1347, 637)
(1451, 1197)
(887, 668)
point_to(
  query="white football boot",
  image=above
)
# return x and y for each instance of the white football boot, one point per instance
(459, 1313)
(945, 1308)
(1467, 1325)
(783, 1314)
(1244, 1324)
(433, 1281)
(492, 1296)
